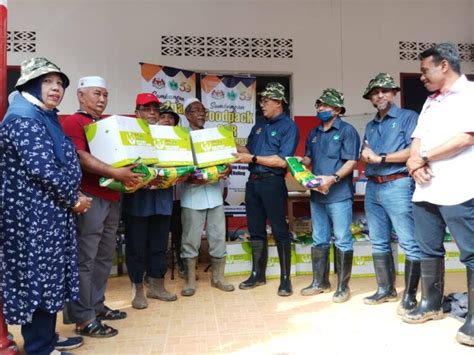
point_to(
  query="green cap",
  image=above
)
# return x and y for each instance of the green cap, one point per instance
(332, 97)
(381, 80)
(166, 107)
(35, 67)
(274, 91)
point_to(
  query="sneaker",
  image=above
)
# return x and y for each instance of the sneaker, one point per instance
(63, 343)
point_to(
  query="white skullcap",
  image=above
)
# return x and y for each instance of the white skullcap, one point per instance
(189, 101)
(91, 81)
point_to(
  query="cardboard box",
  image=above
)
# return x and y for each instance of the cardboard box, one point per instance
(238, 260)
(273, 264)
(302, 225)
(363, 264)
(120, 140)
(213, 146)
(173, 145)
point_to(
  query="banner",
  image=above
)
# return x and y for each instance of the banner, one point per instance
(231, 101)
(169, 85)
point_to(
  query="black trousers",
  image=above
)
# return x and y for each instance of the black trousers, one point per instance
(40, 335)
(146, 242)
(267, 198)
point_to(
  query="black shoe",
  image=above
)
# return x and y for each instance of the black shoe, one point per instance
(259, 265)
(344, 268)
(320, 284)
(412, 278)
(284, 254)
(465, 334)
(385, 275)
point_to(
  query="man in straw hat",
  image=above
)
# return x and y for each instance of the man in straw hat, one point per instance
(97, 228)
(269, 142)
(389, 190)
(332, 149)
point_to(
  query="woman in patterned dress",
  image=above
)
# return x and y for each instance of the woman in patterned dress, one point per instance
(39, 196)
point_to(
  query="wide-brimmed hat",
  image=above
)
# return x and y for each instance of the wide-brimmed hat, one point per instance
(167, 108)
(333, 98)
(381, 80)
(274, 91)
(35, 67)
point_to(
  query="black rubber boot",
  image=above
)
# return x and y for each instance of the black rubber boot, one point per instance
(259, 265)
(344, 262)
(412, 278)
(385, 275)
(432, 288)
(284, 254)
(465, 334)
(320, 284)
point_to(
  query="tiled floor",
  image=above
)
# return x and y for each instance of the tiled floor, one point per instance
(259, 322)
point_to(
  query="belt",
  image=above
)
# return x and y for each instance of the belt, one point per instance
(261, 176)
(387, 178)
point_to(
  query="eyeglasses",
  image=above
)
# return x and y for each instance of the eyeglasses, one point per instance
(264, 101)
(149, 109)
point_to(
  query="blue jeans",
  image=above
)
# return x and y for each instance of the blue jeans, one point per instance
(430, 224)
(389, 204)
(339, 214)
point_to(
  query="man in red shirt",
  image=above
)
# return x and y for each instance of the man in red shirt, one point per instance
(96, 235)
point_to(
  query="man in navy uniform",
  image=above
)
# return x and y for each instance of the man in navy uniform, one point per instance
(269, 142)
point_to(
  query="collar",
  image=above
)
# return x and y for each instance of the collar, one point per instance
(33, 100)
(336, 124)
(459, 85)
(276, 119)
(85, 113)
(394, 112)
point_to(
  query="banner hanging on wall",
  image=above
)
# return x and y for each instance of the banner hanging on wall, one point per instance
(169, 85)
(230, 100)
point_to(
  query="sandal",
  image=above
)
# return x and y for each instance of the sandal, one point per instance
(97, 330)
(111, 314)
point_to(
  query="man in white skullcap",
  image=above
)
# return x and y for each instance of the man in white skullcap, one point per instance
(96, 234)
(202, 204)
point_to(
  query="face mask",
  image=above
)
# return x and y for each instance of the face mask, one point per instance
(324, 115)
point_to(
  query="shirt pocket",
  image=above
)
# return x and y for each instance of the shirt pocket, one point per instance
(333, 149)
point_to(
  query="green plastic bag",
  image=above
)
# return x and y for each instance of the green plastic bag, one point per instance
(167, 177)
(302, 175)
(210, 174)
(148, 172)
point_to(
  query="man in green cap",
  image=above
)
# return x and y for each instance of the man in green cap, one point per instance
(389, 191)
(332, 148)
(269, 142)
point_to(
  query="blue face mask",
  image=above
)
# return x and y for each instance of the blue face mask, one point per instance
(324, 115)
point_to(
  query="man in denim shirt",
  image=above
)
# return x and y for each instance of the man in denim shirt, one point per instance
(202, 204)
(333, 150)
(389, 190)
(269, 142)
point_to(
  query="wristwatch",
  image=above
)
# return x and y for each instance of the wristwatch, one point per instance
(337, 178)
(424, 156)
(383, 156)
(254, 159)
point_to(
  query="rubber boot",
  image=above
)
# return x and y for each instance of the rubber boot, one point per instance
(385, 275)
(139, 300)
(259, 265)
(412, 278)
(157, 290)
(190, 287)
(344, 261)
(432, 288)
(284, 254)
(465, 334)
(320, 261)
(218, 280)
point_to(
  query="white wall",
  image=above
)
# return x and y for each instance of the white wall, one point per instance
(336, 43)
